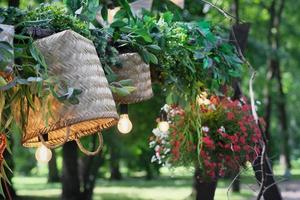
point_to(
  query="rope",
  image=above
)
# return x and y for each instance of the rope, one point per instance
(91, 153)
(57, 145)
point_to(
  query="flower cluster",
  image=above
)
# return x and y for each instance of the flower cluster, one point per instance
(217, 134)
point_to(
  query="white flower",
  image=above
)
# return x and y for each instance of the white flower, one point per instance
(152, 144)
(222, 129)
(157, 155)
(153, 159)
(205, 129)
(166, 108)
(156, 132)
(157, 147)
(160, 134)
(167, 150)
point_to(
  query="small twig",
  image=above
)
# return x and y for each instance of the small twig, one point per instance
(225, 13)
(261, 187)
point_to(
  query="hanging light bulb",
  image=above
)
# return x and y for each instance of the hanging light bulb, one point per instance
(124, 124)
(43, 154)
(163, 125)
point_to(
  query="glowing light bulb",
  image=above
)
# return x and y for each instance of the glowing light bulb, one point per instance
(43, 154)
(124, 124)
(163, 126)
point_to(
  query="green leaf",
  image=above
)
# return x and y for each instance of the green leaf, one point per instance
(1, 191)
(207, 62)
(125, 5)
(234, 73)
(168, 17)
(144, 34)
(198, 55)
(72, 5)
(126, 82)
(104, 13)
(120, 91)
(118, 24)
(153, 47)
(153, 58)
(121, 14)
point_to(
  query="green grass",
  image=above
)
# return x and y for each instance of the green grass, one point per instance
(165, 188)
(174, 185)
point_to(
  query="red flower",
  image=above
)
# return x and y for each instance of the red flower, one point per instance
(208, 142)
(242, 140)
(230, 116)
(215, 100)
(236, 148)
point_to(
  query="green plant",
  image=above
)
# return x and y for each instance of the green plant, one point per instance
(194, 55)
(132, 34)
(55, 18)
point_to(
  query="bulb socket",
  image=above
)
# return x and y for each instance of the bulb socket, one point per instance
(123, 109)
(45, 137)
(163, 115)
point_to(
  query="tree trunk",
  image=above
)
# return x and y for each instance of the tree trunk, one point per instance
(204, 190)
(14, 3)
(79, 172)
(70, 179)
(239, 37)
(274, 70)
(89, 167)
(53, 175)
(271, 191)
(115, 173)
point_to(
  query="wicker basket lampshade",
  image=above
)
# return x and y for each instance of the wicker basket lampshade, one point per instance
(134, 68)
(72, 59)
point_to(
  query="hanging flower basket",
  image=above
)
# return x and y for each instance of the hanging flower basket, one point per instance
(134, 68)
(216, 135)
(73, 60)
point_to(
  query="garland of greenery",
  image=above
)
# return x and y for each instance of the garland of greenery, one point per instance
(187, 56)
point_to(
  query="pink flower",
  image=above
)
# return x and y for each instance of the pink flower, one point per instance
(208, 142)
(230, 116)
(236, 148)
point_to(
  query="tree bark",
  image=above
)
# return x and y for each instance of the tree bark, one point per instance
(89, 167)
(70, 179)
(271, 190)
(274, 72)
(53, 175)
(115, 173)
(14, 3)
(239, 37)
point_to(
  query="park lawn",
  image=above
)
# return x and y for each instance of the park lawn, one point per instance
(176, 186)
(164, 188)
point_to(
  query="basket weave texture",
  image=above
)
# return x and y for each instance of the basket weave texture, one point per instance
(72, 59)
(134, 68)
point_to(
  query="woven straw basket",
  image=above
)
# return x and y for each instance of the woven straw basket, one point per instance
(72, 59)
(134, 68)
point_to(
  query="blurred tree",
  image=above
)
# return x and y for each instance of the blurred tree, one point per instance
(53, 174)
(274, 72)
